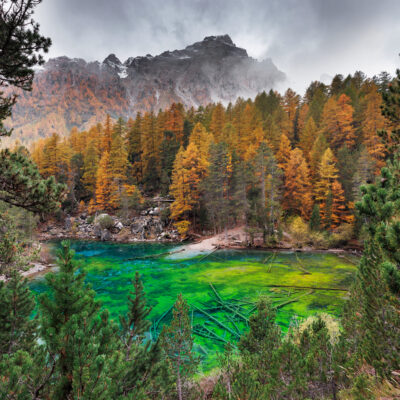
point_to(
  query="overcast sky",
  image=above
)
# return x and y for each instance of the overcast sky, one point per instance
(307, 39)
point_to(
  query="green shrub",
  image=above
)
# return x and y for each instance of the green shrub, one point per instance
(105, 222)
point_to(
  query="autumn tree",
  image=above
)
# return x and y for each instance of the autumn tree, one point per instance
(284, 153)
(373, 123)
(217, 122)
(297, 196)
(308, 136)
(190, 167)
(337, 122)
(104, 184)
(90, 166)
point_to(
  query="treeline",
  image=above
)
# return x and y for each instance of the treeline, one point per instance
(251, 162)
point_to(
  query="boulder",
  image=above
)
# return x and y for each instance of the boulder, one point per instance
(105, 235)
(118, 226)
(97, 231)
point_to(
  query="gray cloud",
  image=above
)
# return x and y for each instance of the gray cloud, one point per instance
(305, 38)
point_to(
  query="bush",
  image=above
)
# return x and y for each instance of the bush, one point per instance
(341, 235)
(299, 231)
(319, 240)
(105, 221)
(182, 227)
(90, 219)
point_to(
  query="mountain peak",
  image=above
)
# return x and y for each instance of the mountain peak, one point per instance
(226, 39)
(111, 60)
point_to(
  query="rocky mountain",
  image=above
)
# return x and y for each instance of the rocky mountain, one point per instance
(72, 92)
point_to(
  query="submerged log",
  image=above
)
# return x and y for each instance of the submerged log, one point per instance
(168, 253)
(227, 306)
(216, 321)
(292, 300)
(307, 287)
(301, 266)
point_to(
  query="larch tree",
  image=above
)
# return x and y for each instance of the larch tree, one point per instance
(190, 168)
(297, 197)
(308, 136)
(340, 212)
(373, 123)
(284, 153)
(107, 135)
(218, 122)
(337, 122)
(201, 139)
(317, 150)
(174, 121)
(104, 183)
(327, 175)
(291, 101)
(90, 165)
(118, 167)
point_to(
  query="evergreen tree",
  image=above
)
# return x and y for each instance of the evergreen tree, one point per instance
(177, 344)
(315, 219)
(22, 186)
(21, 45)
(142, 370)
(17, 329)
(216, 186)
(79, 338)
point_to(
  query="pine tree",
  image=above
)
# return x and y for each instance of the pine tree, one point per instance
(315, 219)
(259, 348)
(21, 45)
(142, 363)
(134, 139)
(22, 186)
(17, 329)
(216, 186)
(78, 337)
(177, 344)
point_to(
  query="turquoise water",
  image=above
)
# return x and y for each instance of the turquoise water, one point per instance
(238, 277)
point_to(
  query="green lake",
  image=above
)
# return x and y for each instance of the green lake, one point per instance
(238, 277)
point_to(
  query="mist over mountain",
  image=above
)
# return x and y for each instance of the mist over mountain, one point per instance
(72, 92)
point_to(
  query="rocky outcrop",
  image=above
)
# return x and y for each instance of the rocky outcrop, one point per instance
(146, 227)
(72, 92)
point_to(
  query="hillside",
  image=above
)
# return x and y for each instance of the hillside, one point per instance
(72, 92)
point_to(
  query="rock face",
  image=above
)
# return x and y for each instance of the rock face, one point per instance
(71, 92)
